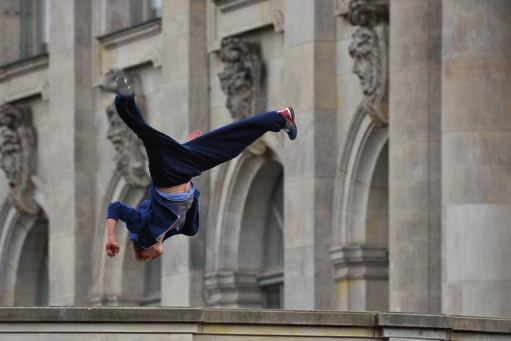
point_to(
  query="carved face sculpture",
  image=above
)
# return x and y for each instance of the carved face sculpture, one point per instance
(237, 78)
(11, 156)
(364, 51)
(129, 157)
(118, 134)
(238, 88)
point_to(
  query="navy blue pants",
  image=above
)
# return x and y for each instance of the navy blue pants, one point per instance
(172, 163)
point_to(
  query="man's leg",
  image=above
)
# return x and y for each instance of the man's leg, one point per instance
(170, 163)
(130, 113)
(225, 143)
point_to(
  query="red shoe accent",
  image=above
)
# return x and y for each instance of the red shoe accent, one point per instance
(287, 113)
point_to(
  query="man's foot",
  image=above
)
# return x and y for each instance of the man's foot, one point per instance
(124, 86)
(290, 127)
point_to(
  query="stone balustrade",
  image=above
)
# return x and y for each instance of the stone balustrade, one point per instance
(113, 323)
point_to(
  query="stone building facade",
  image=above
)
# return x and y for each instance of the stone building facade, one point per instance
(395, 196)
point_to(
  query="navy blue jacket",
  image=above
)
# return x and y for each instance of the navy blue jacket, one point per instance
(154, 218)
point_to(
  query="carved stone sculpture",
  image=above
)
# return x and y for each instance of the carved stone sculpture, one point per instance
(369, 51)
(17, 155)
(242, 76)
(130, 156)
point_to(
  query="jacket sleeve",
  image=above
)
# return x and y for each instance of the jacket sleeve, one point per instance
(191, 225)
(119, 211)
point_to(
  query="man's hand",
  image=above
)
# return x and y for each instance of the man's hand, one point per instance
(194, 134)
(112, 247)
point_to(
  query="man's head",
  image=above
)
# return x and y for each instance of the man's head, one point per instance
(143, 255)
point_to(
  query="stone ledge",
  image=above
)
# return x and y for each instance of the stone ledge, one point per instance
(372, 320)
(481, 324)
(404, 320)
(185, 315)
(131, 33)
(23, 66)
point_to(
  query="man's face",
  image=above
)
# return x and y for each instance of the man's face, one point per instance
(153, 252)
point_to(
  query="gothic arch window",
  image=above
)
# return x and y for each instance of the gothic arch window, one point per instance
(23, 258)
(32, 274)
(245, 259)
(359, 250)
(141, 282)
(377, 221)
(272, 279)
(261, 235)
(152, 283)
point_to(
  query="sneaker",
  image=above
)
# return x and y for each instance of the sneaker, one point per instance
(290, 127)
(124, 86)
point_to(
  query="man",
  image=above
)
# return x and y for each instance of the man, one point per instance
(172, 206)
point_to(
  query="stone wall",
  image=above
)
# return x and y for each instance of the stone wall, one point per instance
(374, 194)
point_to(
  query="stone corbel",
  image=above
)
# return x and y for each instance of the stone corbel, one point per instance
(278, 20)
(233, 289)
(155, 58)
(369, 50)
(130, 157)
(241, 79)
(18, 155)
(360, 262)
(45, 91)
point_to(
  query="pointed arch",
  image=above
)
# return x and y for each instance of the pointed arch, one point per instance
(359, 251)
(23, 257)
(235, 254)
(121, 280)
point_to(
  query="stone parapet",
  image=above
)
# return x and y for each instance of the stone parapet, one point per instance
(242, 324)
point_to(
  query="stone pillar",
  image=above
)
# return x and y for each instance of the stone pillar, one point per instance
(71, 151)
(309, 167)
(476, 157)
(184, 95)
(414, 173)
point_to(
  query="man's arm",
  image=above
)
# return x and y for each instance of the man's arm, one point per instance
(117, 210)
(112, 247)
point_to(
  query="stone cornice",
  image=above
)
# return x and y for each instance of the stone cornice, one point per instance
(23, 66)
(378, 320)
(129, 34)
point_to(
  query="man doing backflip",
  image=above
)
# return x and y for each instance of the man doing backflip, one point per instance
(172, 205)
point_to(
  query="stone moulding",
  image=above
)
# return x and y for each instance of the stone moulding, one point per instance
(213, 323)
(229, 289)
(369, 50)
(129, 34)
(241, 79)
(226, 18)
(18, 155)
(360, 262)
(24, 66)
(130, 155)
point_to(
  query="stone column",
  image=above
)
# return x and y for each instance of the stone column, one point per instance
(309, 167)
(72, 153)
(414, 152)
(476, 157)
(184, 96)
